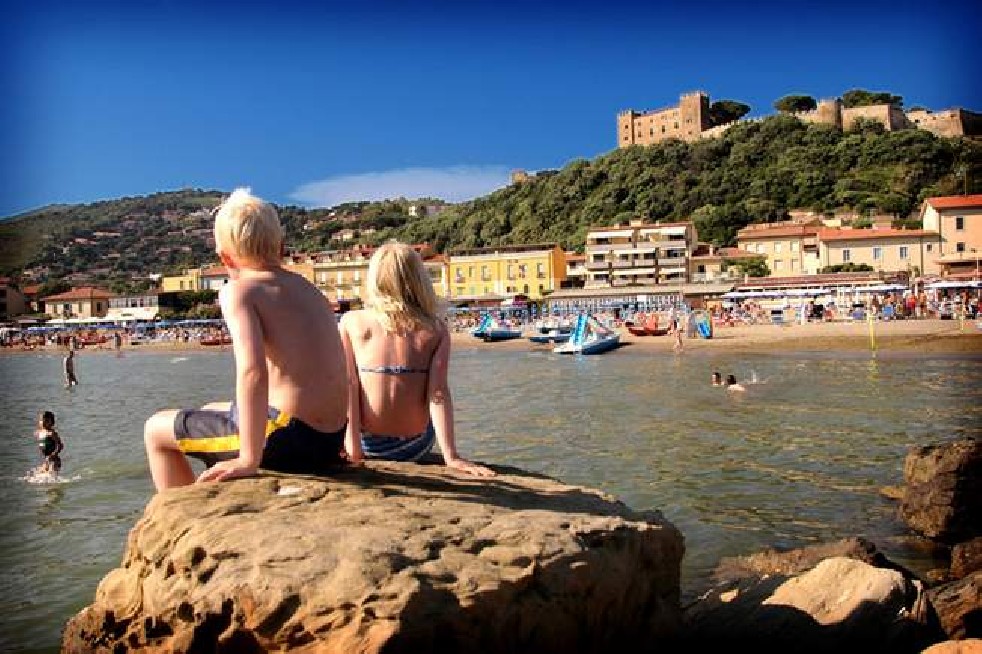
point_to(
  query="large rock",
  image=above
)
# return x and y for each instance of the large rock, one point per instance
(966, 558)
(959, 606)
(392, 557)
(841, 604)
(943, 490)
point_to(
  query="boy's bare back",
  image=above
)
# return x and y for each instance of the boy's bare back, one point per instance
(281, 317)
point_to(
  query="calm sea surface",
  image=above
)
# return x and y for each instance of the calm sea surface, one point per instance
(798, 459)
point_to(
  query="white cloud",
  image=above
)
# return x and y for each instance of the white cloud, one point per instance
(454, 184)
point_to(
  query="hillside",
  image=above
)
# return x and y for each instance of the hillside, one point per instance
(755, 172)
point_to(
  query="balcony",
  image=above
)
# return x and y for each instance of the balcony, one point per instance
(673, 262)
(595, 265)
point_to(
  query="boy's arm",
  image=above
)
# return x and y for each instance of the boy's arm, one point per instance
(251, 384)
(59, 445)
(441, 410)
(352, 437)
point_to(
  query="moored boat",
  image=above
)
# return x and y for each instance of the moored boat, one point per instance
(490, 330)
(589, 337)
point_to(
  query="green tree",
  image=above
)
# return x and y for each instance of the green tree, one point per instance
(756, 267)
(726, 111)
(864, 98)
(795, 103)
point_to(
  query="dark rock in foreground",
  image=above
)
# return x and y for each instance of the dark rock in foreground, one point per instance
(943, 490)
(394, 558)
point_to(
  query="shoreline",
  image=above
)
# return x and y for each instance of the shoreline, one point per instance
(929, 336)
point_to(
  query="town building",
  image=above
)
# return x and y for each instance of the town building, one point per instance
(84, 302)
(884, 250)
(12, 302)
(501, 272)
(340, 274)
(958, 221)
(789, 248)
(711, 265)
(190, 280)
(132, 307)
(213, 278)
(576, 272)
(639, 253)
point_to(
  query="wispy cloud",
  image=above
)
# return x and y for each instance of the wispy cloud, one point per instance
(453, 184)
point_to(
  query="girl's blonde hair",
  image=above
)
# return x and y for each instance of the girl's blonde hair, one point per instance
(399, 289)
(248, 227)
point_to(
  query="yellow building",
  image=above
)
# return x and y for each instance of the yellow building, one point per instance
(437, 267)
(788, 248)
(505, 271)
(885, 250)
(958, 221)
(341, 274)
(189, 281)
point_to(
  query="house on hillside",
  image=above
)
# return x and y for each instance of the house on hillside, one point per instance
(12, 302)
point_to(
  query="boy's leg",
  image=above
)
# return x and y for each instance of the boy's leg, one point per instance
(168, 465)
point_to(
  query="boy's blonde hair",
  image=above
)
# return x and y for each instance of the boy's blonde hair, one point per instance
(247, 227)
(399, 289)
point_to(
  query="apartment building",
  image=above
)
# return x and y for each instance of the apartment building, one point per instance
(885, 250)
(639, 253)
(505, 271)
(957, 219)
(575, 270)
(789, 248)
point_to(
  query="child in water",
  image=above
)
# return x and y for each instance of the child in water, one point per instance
(49, 443)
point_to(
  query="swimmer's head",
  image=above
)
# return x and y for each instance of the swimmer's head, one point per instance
(717, 379)
(46, 419)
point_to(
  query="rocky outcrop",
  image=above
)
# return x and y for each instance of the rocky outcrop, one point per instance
(966, 558)
(959, 606)
(393, 558)
(843, 595)
(943, 490)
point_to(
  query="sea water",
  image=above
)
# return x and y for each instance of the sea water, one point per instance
(798, 459)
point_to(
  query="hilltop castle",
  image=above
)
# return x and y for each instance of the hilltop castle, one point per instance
(689, 120)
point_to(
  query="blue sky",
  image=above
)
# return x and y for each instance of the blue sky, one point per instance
(319, 103)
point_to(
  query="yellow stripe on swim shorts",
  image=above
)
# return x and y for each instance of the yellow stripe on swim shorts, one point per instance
(229, 442)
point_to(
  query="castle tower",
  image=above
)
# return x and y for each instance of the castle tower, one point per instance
(693, 114)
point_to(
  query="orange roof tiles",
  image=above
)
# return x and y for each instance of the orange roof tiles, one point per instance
(955, 201)
(834, 234)
(778, 230)
(81, 293)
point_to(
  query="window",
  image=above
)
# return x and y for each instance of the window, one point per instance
(846, 255)
(959, 223)
(959, 247)
(904, 252)
(877, 253)
(522, 272)
(540, 270)
(791, 264)
(485, 275)
(794, 246)
(460, 290)
(929, 247)
(760, 248)
(777, 248)
(541, 289)
(509, 272)
(778, 264)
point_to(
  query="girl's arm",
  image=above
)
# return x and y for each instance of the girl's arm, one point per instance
(441, 409)
(352, 436)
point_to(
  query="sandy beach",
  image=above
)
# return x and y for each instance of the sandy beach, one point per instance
(915, 336)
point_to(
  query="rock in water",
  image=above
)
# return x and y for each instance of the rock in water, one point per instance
(391, 557)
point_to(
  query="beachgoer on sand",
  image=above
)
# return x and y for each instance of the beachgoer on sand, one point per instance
(291, 388)
(398, 351)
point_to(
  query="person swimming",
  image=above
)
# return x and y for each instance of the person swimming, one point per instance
(732, 385)
(717, 378)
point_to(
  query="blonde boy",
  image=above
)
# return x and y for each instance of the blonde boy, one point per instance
(291, 389)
